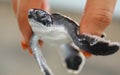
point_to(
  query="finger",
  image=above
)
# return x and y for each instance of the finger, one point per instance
(97, 16)
(25, 28)
(24, 45)
(40, 43)
(30, 51)
(45, 6)
(14, 5)
(24, 6)
(86, 54)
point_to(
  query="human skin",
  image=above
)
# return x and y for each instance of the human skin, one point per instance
(96, 17)
(21, 8)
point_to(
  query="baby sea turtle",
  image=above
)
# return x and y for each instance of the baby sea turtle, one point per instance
(62, 32)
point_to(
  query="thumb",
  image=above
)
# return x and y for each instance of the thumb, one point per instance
(97, 16)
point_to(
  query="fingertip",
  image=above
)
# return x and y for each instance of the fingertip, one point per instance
(40, 43)
(45, 6)
(24, 45)
(30, 51)
(14, 5)
(86, 54)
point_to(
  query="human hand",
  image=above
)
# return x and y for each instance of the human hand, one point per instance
(21, 8)
(96, 17)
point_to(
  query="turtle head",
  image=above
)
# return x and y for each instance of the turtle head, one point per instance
(40, 16)
(39, 20)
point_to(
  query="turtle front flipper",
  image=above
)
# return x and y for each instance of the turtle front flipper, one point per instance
(39, 56)
(97, 45)
(73, 59)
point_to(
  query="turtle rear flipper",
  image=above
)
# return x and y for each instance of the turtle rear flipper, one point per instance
(74, 60)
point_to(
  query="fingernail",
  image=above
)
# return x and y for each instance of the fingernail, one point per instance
(40, 43)
(24, 45)
(30, 51)
(86, 54)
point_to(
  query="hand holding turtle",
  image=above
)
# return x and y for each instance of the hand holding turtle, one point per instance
(21, 8)
(92, 26)
(95, 20)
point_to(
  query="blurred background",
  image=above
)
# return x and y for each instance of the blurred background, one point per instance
(15, 61)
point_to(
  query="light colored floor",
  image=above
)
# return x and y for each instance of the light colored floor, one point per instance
(14, 61)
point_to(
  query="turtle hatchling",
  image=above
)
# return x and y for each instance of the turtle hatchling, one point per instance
(63, 32)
